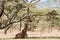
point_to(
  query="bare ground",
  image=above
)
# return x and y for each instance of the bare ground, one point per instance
(36, 33)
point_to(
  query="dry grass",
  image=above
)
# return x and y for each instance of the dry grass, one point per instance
(30, 39)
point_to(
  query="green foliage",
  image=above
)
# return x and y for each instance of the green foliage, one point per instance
(20, 8)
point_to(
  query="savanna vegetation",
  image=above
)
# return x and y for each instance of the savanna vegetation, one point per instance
(23, 11)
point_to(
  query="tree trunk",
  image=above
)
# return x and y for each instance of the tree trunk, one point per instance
(1, 8)
(27, 10)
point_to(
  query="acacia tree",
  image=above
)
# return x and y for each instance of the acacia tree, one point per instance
(18, 35)
(52, 17)
(28, 5)
(11, 16)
